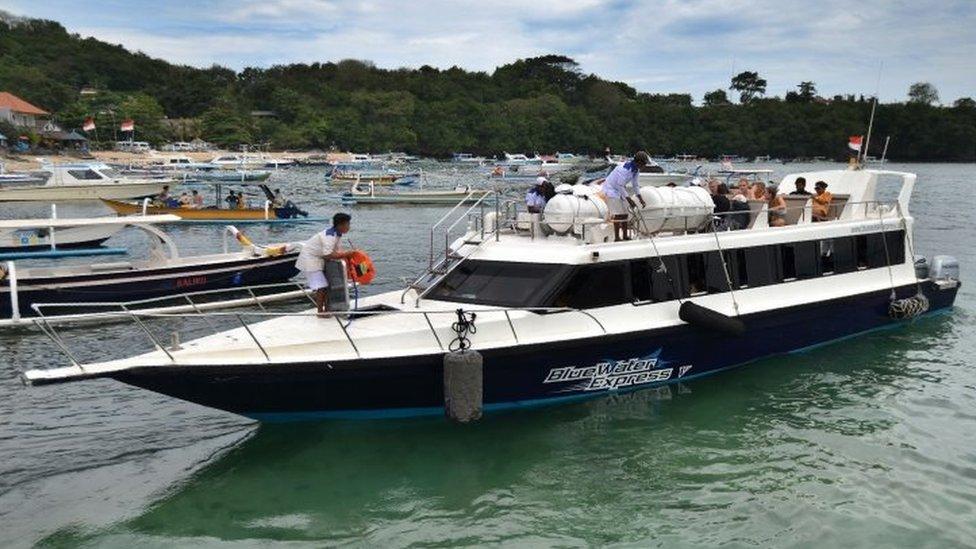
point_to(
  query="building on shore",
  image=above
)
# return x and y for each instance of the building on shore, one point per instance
(22, 114)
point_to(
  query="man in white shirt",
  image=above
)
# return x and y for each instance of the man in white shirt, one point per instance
(311, 261)
(535, 199)
(619, 201)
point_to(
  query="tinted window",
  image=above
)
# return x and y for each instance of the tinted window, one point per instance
(838, 255)
(599, 285)
(715, 279)
(640, 280)
(84, 174)
(499, 283)
(762, 266)
(669, 280)
(806, 256)
(871, 249)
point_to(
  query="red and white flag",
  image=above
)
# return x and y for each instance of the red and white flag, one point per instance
(855, 143)
(128, 125)
(89, 124)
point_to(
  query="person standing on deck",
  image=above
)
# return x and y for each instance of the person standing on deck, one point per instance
(311, 261)
(619, 199)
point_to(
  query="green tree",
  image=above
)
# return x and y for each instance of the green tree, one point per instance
(749, 85)
(923, 93)
(717, 97)
(965, 103)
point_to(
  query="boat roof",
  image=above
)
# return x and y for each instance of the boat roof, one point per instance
(87, 221)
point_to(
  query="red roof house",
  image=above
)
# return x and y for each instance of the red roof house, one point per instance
(21, 113)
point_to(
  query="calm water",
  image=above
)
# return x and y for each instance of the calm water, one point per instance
(869, 442)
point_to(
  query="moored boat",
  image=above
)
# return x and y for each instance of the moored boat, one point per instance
(86, 181)
(563, 313)
(164, 273)
(370, 195)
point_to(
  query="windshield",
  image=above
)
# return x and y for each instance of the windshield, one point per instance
(504, 284)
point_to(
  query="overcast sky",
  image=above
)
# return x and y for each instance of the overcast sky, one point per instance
(658, 46)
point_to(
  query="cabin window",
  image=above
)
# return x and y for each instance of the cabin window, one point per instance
(806, 257)
(668, 278)
(762, 266)
(871, 249)
(499, 283)
(696, 274)
(838, 255)
(706, 274)
(715, 278)
(84, 174)
(640, 280)
(598, 285)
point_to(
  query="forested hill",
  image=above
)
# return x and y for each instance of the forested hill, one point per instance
(542, 104)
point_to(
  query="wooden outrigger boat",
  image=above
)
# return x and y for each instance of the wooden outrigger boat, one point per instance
(374, 177)
(461, 193)
(268, 212)
(164, 273)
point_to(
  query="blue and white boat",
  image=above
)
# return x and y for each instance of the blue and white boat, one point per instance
(563, 313)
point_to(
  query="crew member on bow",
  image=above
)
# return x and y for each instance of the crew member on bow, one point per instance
(311, 261)
(619, 197)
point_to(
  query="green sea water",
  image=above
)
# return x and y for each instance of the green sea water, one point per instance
(867, 442)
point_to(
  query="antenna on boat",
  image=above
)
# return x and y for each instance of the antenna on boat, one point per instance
(874, 105)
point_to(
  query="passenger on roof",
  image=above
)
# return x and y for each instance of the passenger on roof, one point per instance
(619, 197)
(821, 202)
(801, 187)
(777, 207)
(539, 195)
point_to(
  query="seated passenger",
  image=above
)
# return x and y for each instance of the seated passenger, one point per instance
(758, 191)
(185, 201)
(197, 199)
(279, 199)
(821, 202)
(777, 207)
(742, 189)
(801, 187)
(232, 200)
(721, 198)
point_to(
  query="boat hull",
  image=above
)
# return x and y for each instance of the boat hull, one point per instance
(60, 193)
(520, 376)
(34, 239)
(121, 286)
(126, 208)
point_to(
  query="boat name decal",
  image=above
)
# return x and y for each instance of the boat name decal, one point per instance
(613, 375)
(873, 228)
(191, 281)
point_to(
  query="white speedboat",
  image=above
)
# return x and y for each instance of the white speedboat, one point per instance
(85, 181)
(28, 235)
(468, 158)
(558, 312)
(519, 160)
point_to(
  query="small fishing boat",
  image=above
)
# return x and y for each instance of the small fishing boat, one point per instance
(468, 158)
(273, 208)
(164, 273)
(387, 177)
(19, 177)
(87, 181)
(229, 176)
(369, 195)
(30, 235)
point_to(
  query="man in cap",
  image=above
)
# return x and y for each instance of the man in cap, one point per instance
(821, 202)
(619, 196)
(537, 196)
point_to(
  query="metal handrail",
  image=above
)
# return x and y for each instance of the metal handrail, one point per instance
(139, 316)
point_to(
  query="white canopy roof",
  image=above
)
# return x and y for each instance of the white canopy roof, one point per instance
(87, 221)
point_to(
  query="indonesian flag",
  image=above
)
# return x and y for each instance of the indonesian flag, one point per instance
(89, 124)
(855, 143)
(128, 125)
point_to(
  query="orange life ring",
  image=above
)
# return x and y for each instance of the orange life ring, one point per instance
(360, 268)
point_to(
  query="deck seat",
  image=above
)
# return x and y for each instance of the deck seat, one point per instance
(837, 204)
(797, 208)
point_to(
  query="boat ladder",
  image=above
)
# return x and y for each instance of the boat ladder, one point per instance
(442, 261)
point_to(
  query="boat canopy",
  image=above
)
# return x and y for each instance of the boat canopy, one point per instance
(87, 221)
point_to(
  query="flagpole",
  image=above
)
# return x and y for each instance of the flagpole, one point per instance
(874, 105)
